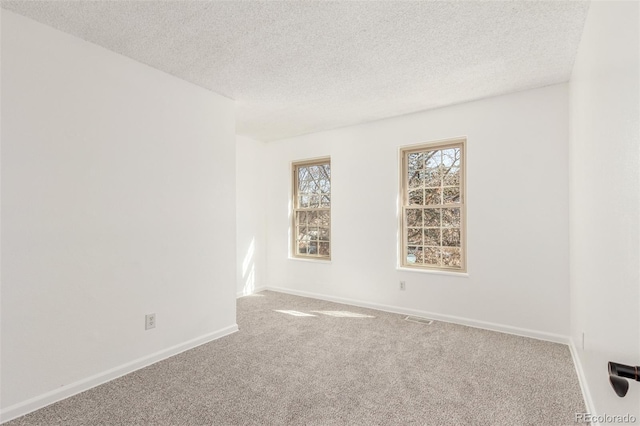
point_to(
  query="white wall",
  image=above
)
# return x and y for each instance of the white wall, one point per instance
(517, 177)
(118, 200)
(251, 183)
(605, 207)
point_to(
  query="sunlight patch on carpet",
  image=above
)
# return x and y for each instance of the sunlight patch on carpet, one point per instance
(343, 314)
(294, 313)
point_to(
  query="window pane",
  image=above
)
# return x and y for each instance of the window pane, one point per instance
(303, 201)
(303, 233)
(414, 217)
(431, 256)
(432, 178)
(451, 217)
(416, 197)
(414, 236)
(325, 200)
(301, 218)
(432, 237)
(415, 179)
(450, 156)
(314, 201)
(313, 247)
(433, 196)
(451, 257)
(302, 247)
(432, 217)
(324, 217)
(451, 237)
(415, 161)
(452, 175)
(433, 175)
(303, 173)
(324, 249)
(451, 195)
(324, 234)
(432, 159)
(414, 255)
(312, 218)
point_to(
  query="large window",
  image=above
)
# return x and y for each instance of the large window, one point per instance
(312, 209)
(433, 206)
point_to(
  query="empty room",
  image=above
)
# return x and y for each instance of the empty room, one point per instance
(319, 212)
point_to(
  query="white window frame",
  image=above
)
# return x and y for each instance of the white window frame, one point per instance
(404, 206)
(296, 209)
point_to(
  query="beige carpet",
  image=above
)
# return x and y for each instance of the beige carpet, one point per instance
(322, 363)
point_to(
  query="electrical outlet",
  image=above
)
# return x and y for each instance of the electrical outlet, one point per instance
(150, 321)
(402, 285)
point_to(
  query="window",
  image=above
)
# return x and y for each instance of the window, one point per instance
(312, 209)
(433, 206)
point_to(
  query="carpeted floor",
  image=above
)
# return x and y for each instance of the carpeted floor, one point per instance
(344, 365)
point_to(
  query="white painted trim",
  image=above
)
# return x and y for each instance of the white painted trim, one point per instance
(254, 291)
(582, 379)
(310, 259)
(433, 271)
(535, 334)
(66, 391)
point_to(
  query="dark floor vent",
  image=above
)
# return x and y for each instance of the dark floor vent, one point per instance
(426, 321)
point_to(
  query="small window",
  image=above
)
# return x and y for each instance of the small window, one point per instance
(433, 206)
(312, 209)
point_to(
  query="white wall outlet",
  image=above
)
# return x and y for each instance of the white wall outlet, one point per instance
(403, 286)
(150, 321)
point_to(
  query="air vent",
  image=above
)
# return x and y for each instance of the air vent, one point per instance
(426, 321)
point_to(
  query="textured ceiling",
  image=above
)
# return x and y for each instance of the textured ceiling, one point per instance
(304, 66)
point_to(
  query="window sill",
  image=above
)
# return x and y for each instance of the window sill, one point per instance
(301, 259)
(434, 272)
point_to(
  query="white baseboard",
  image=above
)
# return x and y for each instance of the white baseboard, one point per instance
(535, 334)
(40, 401)
(586, 394)
(254, 291)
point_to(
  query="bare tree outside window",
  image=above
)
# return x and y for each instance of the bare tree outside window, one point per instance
(433, 208)
(312, 209)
